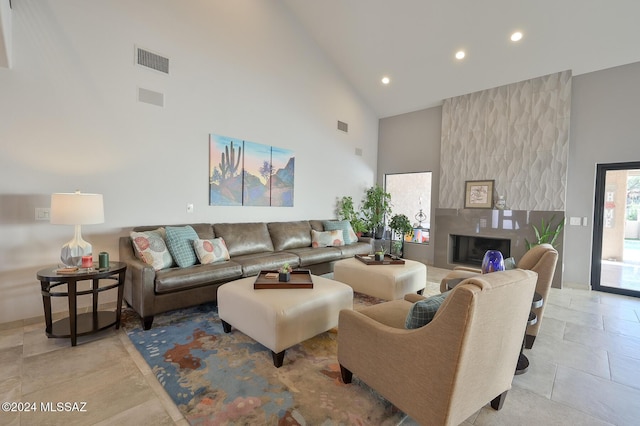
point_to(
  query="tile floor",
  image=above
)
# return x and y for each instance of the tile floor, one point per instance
(585, 369)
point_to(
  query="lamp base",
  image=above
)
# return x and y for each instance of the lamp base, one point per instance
(72, 252)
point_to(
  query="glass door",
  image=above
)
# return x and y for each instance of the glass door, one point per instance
(615, 263)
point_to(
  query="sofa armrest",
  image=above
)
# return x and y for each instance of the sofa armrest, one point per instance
(139, 284)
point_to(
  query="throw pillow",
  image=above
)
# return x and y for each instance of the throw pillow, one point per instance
(210, 251)
(327, 238)
(180, 244)
(343, 225)
(150, 247)
(423, 311)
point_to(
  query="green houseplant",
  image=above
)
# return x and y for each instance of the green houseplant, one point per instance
(546, 233)
(284, 273)
(401, 226)
(345, 210)
(376, 204)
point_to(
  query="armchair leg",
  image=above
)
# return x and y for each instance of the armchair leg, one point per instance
(498, 401)
(347, 375)
(528, 341)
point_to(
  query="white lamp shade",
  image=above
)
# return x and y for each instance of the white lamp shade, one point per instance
(76, 209)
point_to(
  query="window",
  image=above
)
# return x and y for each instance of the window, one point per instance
(411, 196)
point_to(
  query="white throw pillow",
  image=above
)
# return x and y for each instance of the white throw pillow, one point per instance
(210, 251)
(327, 238)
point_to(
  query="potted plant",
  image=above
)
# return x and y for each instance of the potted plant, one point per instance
(346, 211)
(401, 226)
(375, 206)
(379, 255)
(284, 273)
(547, 233)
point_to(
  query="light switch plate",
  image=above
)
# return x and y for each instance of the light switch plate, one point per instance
(575, 221)
(43, 213)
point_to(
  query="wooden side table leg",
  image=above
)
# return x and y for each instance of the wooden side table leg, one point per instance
(120, 296)
(46, 303)
(94, 298)
(73, 312)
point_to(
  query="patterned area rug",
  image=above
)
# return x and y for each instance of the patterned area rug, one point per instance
(217, 378)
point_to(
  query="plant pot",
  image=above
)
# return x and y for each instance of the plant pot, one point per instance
(284, 277)
(379, 257)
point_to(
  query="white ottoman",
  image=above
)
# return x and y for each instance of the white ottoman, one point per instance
(281, 318)
(387, 282)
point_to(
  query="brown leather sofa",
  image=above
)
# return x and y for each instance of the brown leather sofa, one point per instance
(252, 247)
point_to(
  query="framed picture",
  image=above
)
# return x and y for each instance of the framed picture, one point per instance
(478, 194)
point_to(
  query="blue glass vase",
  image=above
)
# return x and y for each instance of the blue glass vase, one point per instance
(492, 261)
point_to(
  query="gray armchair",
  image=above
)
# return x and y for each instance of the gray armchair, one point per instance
(445, 371)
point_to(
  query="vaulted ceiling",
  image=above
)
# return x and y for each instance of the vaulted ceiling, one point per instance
(414, 42)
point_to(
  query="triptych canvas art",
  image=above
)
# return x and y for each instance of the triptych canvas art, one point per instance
(243, 173)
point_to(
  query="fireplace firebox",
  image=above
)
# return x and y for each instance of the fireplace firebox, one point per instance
(470, 250)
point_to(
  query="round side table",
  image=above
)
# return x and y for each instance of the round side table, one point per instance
(87, 323)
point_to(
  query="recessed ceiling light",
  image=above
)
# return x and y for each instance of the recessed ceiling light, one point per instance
(460, 54)
(516, 36)
(385, 80)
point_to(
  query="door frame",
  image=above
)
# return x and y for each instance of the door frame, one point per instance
(598, 226)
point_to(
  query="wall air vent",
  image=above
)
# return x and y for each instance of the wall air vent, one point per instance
(152, 60)
(150, 97)
(343, 126)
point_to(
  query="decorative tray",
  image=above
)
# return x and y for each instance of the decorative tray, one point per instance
(299, 279)
(388, 260)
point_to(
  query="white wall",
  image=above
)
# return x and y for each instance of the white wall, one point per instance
(69, 119)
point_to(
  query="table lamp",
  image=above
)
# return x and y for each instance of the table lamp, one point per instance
(76, 209)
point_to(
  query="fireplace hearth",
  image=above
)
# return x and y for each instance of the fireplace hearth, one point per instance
(470, 250)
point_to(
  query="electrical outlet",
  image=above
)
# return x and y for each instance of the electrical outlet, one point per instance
(574, 221)
(190, 208)
(43, 213)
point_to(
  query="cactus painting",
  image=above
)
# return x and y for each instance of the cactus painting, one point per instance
(249, 174)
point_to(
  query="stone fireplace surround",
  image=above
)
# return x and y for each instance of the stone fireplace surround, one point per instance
(514, 225)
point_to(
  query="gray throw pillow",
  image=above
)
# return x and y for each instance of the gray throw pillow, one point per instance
(423, 311)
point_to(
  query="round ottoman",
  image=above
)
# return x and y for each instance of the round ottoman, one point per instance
(281, 318)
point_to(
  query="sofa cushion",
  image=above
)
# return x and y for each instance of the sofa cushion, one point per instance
(180, 243)
(313, 256)
(244, 238)
(344, 226)
(178, 279)
(327, 238)
(423, 311)
(289, 235)
(255, 262)
(210, 251)
(204, 230)
(150, 247)
(351, 250)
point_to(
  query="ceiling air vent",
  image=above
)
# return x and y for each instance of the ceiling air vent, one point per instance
(152, 60)
(343, 126)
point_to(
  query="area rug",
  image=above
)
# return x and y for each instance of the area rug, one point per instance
(217, 378)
